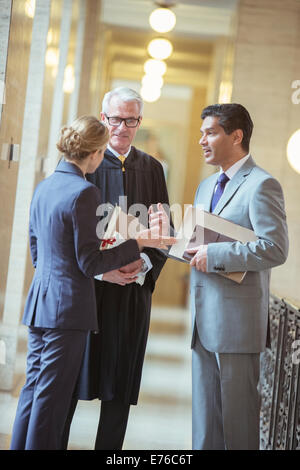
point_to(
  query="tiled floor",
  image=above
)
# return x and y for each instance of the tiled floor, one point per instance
(162, 418)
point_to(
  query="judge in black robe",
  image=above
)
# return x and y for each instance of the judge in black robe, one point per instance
(113, 361)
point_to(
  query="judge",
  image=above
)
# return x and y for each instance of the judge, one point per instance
(113, 361)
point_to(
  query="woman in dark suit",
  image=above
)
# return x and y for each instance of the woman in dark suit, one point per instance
(61, 306)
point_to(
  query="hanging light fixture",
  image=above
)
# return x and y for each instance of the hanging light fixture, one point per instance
(162, 20)
(293, 151)
(155, 67)
(150, 94)
(154, 81)
(160, 48)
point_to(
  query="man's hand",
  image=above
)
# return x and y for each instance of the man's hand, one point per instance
(152, 238)
(200, 258)
(125, 275)
(159, 220)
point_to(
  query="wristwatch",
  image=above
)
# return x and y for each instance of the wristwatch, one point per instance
(144, 267)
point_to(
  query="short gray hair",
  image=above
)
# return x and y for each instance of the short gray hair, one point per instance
(125, 94)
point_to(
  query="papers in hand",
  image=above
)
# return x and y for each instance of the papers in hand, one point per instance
(121, 227)
(201, 228)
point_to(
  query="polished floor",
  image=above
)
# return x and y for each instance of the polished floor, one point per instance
(162, 418)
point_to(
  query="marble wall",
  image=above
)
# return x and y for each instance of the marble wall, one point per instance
(5, 15)
(43, 82)
(11, 123)
(267, 61)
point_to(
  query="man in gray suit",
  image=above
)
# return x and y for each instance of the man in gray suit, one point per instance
(230, 320)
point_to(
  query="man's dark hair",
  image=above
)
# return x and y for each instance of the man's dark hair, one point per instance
(232, 116)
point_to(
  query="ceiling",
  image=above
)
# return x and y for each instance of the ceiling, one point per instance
(195, 18)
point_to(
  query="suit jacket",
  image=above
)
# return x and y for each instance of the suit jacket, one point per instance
(65, 252)
(230, 317)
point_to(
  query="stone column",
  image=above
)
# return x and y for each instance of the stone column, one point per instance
(267, 61)
(78, 59)
(58, 98)
(91, 79)
(5, 14)
(25, 185)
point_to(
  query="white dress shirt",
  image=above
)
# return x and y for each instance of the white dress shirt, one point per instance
(234, 168)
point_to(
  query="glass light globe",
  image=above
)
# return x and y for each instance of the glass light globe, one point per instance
(160, 48)
(150, 94)
(155, 67)
(293, 151)
(152, 81)
(162, 20)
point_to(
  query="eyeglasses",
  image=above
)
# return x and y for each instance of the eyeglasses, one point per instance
(117, 121)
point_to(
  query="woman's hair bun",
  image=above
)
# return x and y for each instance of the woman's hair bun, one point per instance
(70, 142)
(84, 136)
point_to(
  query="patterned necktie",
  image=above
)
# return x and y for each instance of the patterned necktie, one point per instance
(122, 158)
(221, 183)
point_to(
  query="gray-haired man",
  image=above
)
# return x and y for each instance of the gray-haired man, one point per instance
(113, 362)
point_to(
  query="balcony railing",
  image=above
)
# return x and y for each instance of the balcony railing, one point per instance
(280, 388)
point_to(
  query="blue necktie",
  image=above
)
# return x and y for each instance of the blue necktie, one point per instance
(221, 183)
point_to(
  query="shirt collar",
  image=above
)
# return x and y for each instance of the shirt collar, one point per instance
(235, 167)
(117, 154)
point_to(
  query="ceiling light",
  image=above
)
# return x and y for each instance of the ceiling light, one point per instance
(150, 94)
(293, 151)
(155, 67)
(162, 20)
(160, 48)
(152, 81)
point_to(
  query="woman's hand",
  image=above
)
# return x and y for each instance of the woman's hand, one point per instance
(153, 238)
(125, 275)
(118, 277)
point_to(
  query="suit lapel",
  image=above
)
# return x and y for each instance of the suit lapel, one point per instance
(234, 184)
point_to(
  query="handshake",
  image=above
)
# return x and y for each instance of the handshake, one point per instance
(160, 222)
(156, 236)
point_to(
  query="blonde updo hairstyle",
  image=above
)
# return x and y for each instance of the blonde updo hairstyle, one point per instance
(84, 136)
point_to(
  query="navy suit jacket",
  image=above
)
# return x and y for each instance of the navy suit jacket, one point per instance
(65, 252)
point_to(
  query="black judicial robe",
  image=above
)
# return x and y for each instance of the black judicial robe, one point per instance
(113, 360)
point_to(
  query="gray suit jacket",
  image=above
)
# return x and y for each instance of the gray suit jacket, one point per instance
(231, 317)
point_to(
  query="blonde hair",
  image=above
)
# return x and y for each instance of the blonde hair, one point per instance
(84, 136)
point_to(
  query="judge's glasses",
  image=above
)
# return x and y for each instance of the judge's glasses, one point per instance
(117, 121)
